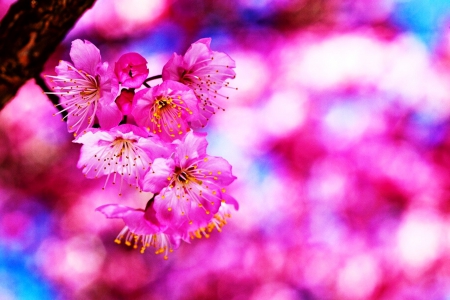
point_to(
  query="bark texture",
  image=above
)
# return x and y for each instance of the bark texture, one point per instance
(29, 33)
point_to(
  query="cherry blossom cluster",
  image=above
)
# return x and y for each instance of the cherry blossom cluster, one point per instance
(142, 136)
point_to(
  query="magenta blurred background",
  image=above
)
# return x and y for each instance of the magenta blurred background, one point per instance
(339, 135)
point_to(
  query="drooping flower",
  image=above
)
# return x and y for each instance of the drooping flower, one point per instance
(142, 229)
(205, 72)
(131, 70)
(86, 89)
(126, 151)
(216, 222)
(166, 109)
(190, 183)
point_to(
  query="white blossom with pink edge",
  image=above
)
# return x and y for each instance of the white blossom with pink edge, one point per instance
(86, 89)
(126, 151)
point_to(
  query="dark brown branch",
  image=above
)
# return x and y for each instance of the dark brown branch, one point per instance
(29, 33)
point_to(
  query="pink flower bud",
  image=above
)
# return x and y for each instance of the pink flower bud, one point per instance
(131, 70)
(125, 100)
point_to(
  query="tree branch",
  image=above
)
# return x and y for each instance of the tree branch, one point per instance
(29, 33)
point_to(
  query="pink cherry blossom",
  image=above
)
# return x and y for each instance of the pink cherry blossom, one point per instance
(85, 87)
(166, 109)
(142, 229)
(205, 72)
(126, 151)
(190, 183)
(131, 70)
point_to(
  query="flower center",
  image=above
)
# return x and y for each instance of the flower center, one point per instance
(120, 157)
(183, 176)
(161, 104)
(81, 94)
(122, 146)
(91, 91)
(164, 114)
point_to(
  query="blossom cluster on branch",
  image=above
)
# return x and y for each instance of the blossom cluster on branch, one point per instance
(147, 137)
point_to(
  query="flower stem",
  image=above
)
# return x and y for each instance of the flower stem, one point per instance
(150, 79)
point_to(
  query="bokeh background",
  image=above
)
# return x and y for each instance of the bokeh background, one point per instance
(339, 135)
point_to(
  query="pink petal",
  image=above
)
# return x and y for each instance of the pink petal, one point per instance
(169, 209)
(129, 130)
(125, 100)
(205, 41)
(88, 162)
(109, 116)
(65, 69)
(157, 178)
(230, 200)
(220, 169)
(113, 211)
(141, 107)
(205, 113)
(85, 56)
(76, 122)
(197, 52)
(173, 69)
(192, 148)
(209, 196)
(133, 218)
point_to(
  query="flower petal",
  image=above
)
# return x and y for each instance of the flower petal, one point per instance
(158, 176)
(198, 51)
(133, 218)
(193, 147)
(230, 200)
(171, 210)
(109, 115)
(172, 70)
(216, 169)
(85, 56)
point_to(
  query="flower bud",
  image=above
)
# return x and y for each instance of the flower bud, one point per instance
(131, 70)
(125, 100)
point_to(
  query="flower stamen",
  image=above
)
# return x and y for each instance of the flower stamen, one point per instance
(160, 241)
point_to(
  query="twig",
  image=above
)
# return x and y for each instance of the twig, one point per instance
(150, 79)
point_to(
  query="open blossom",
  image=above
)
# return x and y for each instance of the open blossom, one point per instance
(85, 88)
(205, 72)
(131, 70)
(191, 184)
(166, 109)
(126, 151)
(142, 228)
